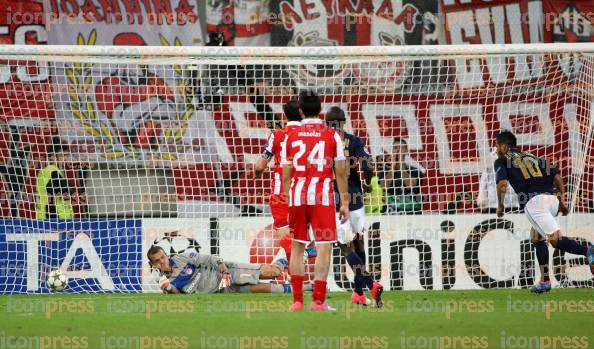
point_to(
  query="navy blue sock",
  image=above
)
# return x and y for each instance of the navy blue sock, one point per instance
(571, 246)
(362, 277)
(542, 255)
(362, 256)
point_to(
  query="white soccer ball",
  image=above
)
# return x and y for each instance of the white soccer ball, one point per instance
(174, 244)
(57, 280)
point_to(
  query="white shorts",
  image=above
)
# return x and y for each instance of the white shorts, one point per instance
(541, 211)
(354, 225)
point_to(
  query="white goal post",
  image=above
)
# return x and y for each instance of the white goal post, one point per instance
(107, 150)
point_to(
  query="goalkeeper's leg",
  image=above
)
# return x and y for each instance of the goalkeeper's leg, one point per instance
(260, 288)
(248, 273)
(265, 288)
(270, 288)
(272, 271)
(246, 278)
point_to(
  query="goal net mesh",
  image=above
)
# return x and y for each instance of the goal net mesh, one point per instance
(105, 152)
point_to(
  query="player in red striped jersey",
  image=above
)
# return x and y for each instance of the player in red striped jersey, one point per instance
(278, 203)
(312, 156)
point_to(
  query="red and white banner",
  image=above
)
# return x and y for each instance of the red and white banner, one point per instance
(354, 23)
(569, 21)
(123, 22)
(121, 112)
(26, 109)
(324, 23)
(451, 138)
(25, 91)
(494, 22)
(128, 112)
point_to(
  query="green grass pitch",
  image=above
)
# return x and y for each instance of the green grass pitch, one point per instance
(563, 318)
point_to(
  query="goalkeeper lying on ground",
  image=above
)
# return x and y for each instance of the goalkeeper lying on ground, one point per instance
(200, 273)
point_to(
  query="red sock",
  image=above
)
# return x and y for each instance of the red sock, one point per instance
(286, 243)
(297, 283)
(319, 291)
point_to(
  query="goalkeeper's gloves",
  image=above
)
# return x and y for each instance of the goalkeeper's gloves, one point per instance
(164, 284)
(226, 281)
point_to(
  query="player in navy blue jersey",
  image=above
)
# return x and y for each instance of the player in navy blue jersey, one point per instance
(541, 194)
(349, 234)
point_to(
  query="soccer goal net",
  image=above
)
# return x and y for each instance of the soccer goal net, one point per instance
(105, 151)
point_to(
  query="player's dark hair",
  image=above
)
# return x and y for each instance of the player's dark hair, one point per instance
(310, 104)
(153, 250)
(56, 147)
(291, 110)
(400, 140)
(216, 39)
(335, 116)
(507, 137)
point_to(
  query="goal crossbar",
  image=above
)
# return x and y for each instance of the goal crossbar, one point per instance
(58, 51)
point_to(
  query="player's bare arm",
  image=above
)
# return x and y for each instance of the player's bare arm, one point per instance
(368, 168)
(260, 166)
(287, 173)
(501, 188)
(558, 182)
(343, 190)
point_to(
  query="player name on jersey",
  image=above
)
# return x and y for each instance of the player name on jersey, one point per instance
(309, 134)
